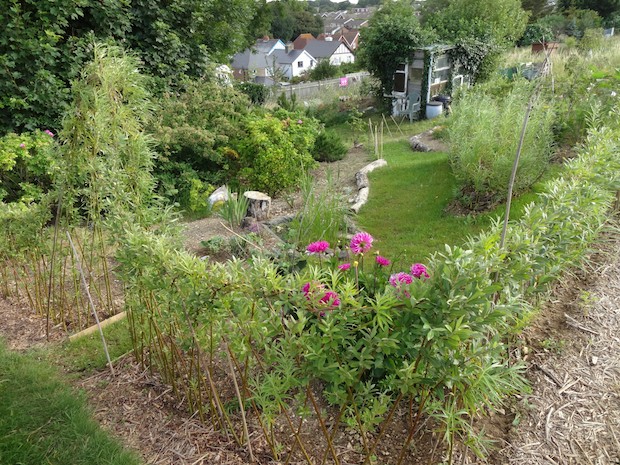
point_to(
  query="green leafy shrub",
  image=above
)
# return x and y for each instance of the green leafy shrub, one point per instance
(194, 131)
(323, 214)
(324, 70)
(26, 165)
(482, 154)
(257, 93)
(328, 147)
(275, 153)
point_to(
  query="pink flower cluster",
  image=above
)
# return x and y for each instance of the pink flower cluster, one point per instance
(317, 247)
(49, 133)
(418, 271)
(382, 261)
(313, 289)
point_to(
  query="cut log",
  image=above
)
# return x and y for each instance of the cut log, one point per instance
(259, 205)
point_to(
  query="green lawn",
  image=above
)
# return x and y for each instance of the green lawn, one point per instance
(406, 209)
(44, 421)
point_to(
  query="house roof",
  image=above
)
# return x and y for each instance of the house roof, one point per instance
(255, 57)
(248, 59)
(284, 58)
(323, 48)
(302, 40)
(356, 23)
(266, 46)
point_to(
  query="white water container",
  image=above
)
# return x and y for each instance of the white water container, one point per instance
(433, 109)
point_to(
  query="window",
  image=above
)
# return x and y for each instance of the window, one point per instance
(300, 64)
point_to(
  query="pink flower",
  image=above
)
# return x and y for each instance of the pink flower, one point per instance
(330, 297)
(361, 243)
(299, 121)
(310, 288)
(418, 270)
(344, 266)
(317, 247)
(22, 146)
(400, 278)
(382, 261)
(49, 133)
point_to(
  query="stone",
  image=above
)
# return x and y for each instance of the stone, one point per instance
(219, 195)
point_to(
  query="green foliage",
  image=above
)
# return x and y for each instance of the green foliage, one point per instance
(328, 147)
(276, 151)
(26, 166)
(324, 70)
(289, 18)
(106, 158)
(537, 33)
(235, 209)
(439, 342)
(482, 154)
(604, 8)
(592, 40)
(499, 22)
(194, 132)
(322, 216)
(44, 420)
(287, 104)
(390, 38)
(45, 43)
(257, 93)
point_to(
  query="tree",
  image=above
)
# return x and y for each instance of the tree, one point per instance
(605, 8)
(45, 43)
(390, 38)
(501, 22)
(289, 18)
(537, 8)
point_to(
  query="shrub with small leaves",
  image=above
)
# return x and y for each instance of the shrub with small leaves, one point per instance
(328, 147)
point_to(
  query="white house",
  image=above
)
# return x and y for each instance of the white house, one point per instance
(294, 63)
(333, 50)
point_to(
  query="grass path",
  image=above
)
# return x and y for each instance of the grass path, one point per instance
(44, 421)
(406, 210)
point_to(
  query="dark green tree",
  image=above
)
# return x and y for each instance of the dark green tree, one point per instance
(44, 44)
(605, 8)
(289, 18)
(537, 8)
(390, 38)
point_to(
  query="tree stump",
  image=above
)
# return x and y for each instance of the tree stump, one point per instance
(259, 205)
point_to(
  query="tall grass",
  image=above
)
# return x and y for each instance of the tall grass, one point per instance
(322, 216)
(484, 133)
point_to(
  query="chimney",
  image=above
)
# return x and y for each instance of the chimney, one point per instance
(289, 47)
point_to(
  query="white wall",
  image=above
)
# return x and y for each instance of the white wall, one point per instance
(342, 55)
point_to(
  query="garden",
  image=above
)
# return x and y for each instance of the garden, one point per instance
(396, 335)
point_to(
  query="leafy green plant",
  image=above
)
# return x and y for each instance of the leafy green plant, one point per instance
(276, 151)
(328, 147)
(324, 70)
(26, 165)
(482, 155)
(234, 210)
(322, 216)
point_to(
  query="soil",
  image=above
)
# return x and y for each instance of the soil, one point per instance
(572, 353)
(341, 172)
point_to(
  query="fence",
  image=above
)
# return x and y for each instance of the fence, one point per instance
(309, 90)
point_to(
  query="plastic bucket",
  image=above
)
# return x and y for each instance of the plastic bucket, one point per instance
(433, 109)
